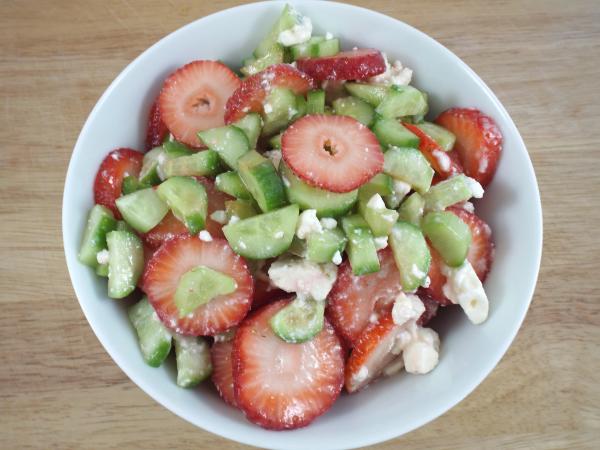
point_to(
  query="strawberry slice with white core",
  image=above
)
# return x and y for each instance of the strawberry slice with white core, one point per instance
(216, 202)
(335, 153)
(222, 374)
(178, 256)
(193, 99)
(355, 64)
(168, 228)
(280, 385)
(251, 93)
(157, 130)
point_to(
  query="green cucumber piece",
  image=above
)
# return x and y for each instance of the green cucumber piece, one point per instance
(275, 141)
(149, 175)
(126, 263)
(192, 355)
(100, 222)
(399, 190)
(299, 321)
(123, 226)
(154, 338)
(251, 125)
(372, 94)
(288, 18)
(411, 209)
(262, 181)
(402, 101)
(308, 49)
(327, 204)
(378, 217)
(411, 255)
(200, 285)
(102, 270)
(200, 164)
(409, 165)
(232, 184)
(328, 47)
(381, 184)
(392, 133)
(361, 245)
(174, 149)
(444, 138)
(131, 184)
(229, 142)
(187, 199)
(447, 193)
(143, 210)
(242, 209)
(281, 106)
(315, 103)
(264, 236)
(255, 65)
(449, 235)
(355, 108)
(322, 247)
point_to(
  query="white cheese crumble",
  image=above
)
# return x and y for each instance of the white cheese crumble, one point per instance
(443, 159)
(219, 216)
(469, 207)
(274, 156)
(463, 287)
(233, 219)
(268, 108)
(399, 191)
(475, 187)
(376, 203)
(305, 278)
(298, 34)
(103, 257)
(381, 242)
(205, 236)
(308, 223)
(278, 234)
(286, 182)
(395, 74)
(407, 307)
(328, 36)
(160, 160)
(337, 258)
(328, 223)
(361, 375)
(421, 355)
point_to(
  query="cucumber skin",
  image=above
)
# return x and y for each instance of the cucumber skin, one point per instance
(200, 164)
(376, 219)
(94, 237)
(285, 323)
(287, 20)
(126, 263)
(361, 250)
(142, 220)
(392, 133)
(192, 356)
(449, 235)
(231, 184)
(369, 93)
(407, 238)
(447, 193)
(262, 181)
(147, 325)
(251, 125)
(402, 101)
(409, 165)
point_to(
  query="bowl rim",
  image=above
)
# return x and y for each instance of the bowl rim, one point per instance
(365, 440)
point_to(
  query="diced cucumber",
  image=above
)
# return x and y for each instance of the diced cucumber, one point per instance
(187, 199)
(275, 141)
(154, 338)
(370, 93)
(447, 193)
(289, 17)
(444, 138)
(356, 108)
(251, 125)
(411, 209)
(255, 65)
(402, 101)
(328, 47)
(411, 255)
(123, 226)
(102, 270)
(409, 165)
(200, 164)
(229, 142)
(192, 355)
(322, 247)
(100, 222)
(299, 321)
(327, 204)
(361, 245)
(126, 263)
(174, 149)
(232, 184)
(315, 103)
(392, 133)
(380, 184)
(449, 235)
(199, 286)
(281, 106)
(242, 209)
(143, 210)
(131, 184)
(264, 236)
(262, 181)
(308, 49)
(378, 217)
(149, 173)
(298, 247)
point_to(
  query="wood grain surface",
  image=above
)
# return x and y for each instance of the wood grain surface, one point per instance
(60, 389)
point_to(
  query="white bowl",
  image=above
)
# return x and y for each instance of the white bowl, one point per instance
(390, 407)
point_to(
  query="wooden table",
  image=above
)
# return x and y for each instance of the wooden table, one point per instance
(60, 389)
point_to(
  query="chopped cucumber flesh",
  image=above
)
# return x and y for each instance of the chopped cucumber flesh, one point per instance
(251, 125)
(449, 235)
(192, 355)
(361, 245)
(308, 49)
(154, 338)
(372, 94)
(288, 18)
(200, 164)
(174, 149)
(411, 209)
(380, 184)
(402, 101)
(447, 193)
(315, 103)
(125, 263)
(409, 165)
(444, 138)
(143, 210)
(262, 181)
(199, 286)
(378, 217)
(281, 106)
(299, 321)
(232, 184)
(187, 199)
(275, 141)
(255, 65)
(392, 133)
(355, 108)
(100, 222)
(411, 255)
(242, 209)
(322, 247)
(149, 175)
(131, 184)
(229, 142)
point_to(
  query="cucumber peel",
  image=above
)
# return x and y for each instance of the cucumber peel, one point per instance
(299, 321)
(153, 337)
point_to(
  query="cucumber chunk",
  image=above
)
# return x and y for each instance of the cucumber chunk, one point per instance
(402, 101)
(322, 247)
(149, 175)
(275, 141)
(131, 184)
(123, 226)
(308, 49)
(199, 286)
(264, 236)
(378, 217)
(232, 184)
(327, 204)
(328, 47)
(154, 338)
(411, 209)
(361, 245)
(242, 209)
(200, 164)
(355, 108)
(369, 93)
(289, 17)
(255, 65)
(251, 125)
(449, 235)
(381, 184)
(448, 192)
(174, 149)
(143, 210)
(187, 199)
(444, 138)
(100, 222)
(392, 133)
(411, 255)
(125, 264)
(281, 106)
(315, 103)
(102, 270)
(409, 165)
(299, 321)
(229, 142)
(262, 181)
(192, 355)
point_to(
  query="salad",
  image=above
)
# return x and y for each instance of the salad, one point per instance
(291, 232)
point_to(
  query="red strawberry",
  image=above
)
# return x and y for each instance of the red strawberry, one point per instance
(481, 251)
(280, 385)
(193, 99)
(216, 201)
(351, 65)
(181, 254)
(354, 299)
(436, 280)
(264, 291)
(250, 95)
(222, 374)
(442, 162)
(168, 228)
(478, 141)
(336, 153)
(157, 130)
(117, 165)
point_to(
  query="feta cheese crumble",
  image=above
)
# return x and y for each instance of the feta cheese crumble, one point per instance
(205, 236)
(328, 223)
(376, 203)
(475, 187)
(298, 34)
(399, 191)
(274, 156)
(407, 307)
(219, 216)
(268, 108)
(463, 287)
(395, 74)
(361, 375)
(103, 257)
(337, 258)
(381, 242)
(160, 160)
(421, 355)
(308, 223)
(233, 219)
(305, 278)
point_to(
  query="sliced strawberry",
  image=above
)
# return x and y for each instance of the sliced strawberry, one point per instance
(157, 130)
(442, 162)
(117, 165)
(478, 141)
(436, 280)
(193, 99)
(280, 385)
(222, 374)
(336, 153)
(181, 254)
(264, 291)
(216, 201)
(250, 95)
(431, 309)
(351, 65)
(167, 228)
(355, 300)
